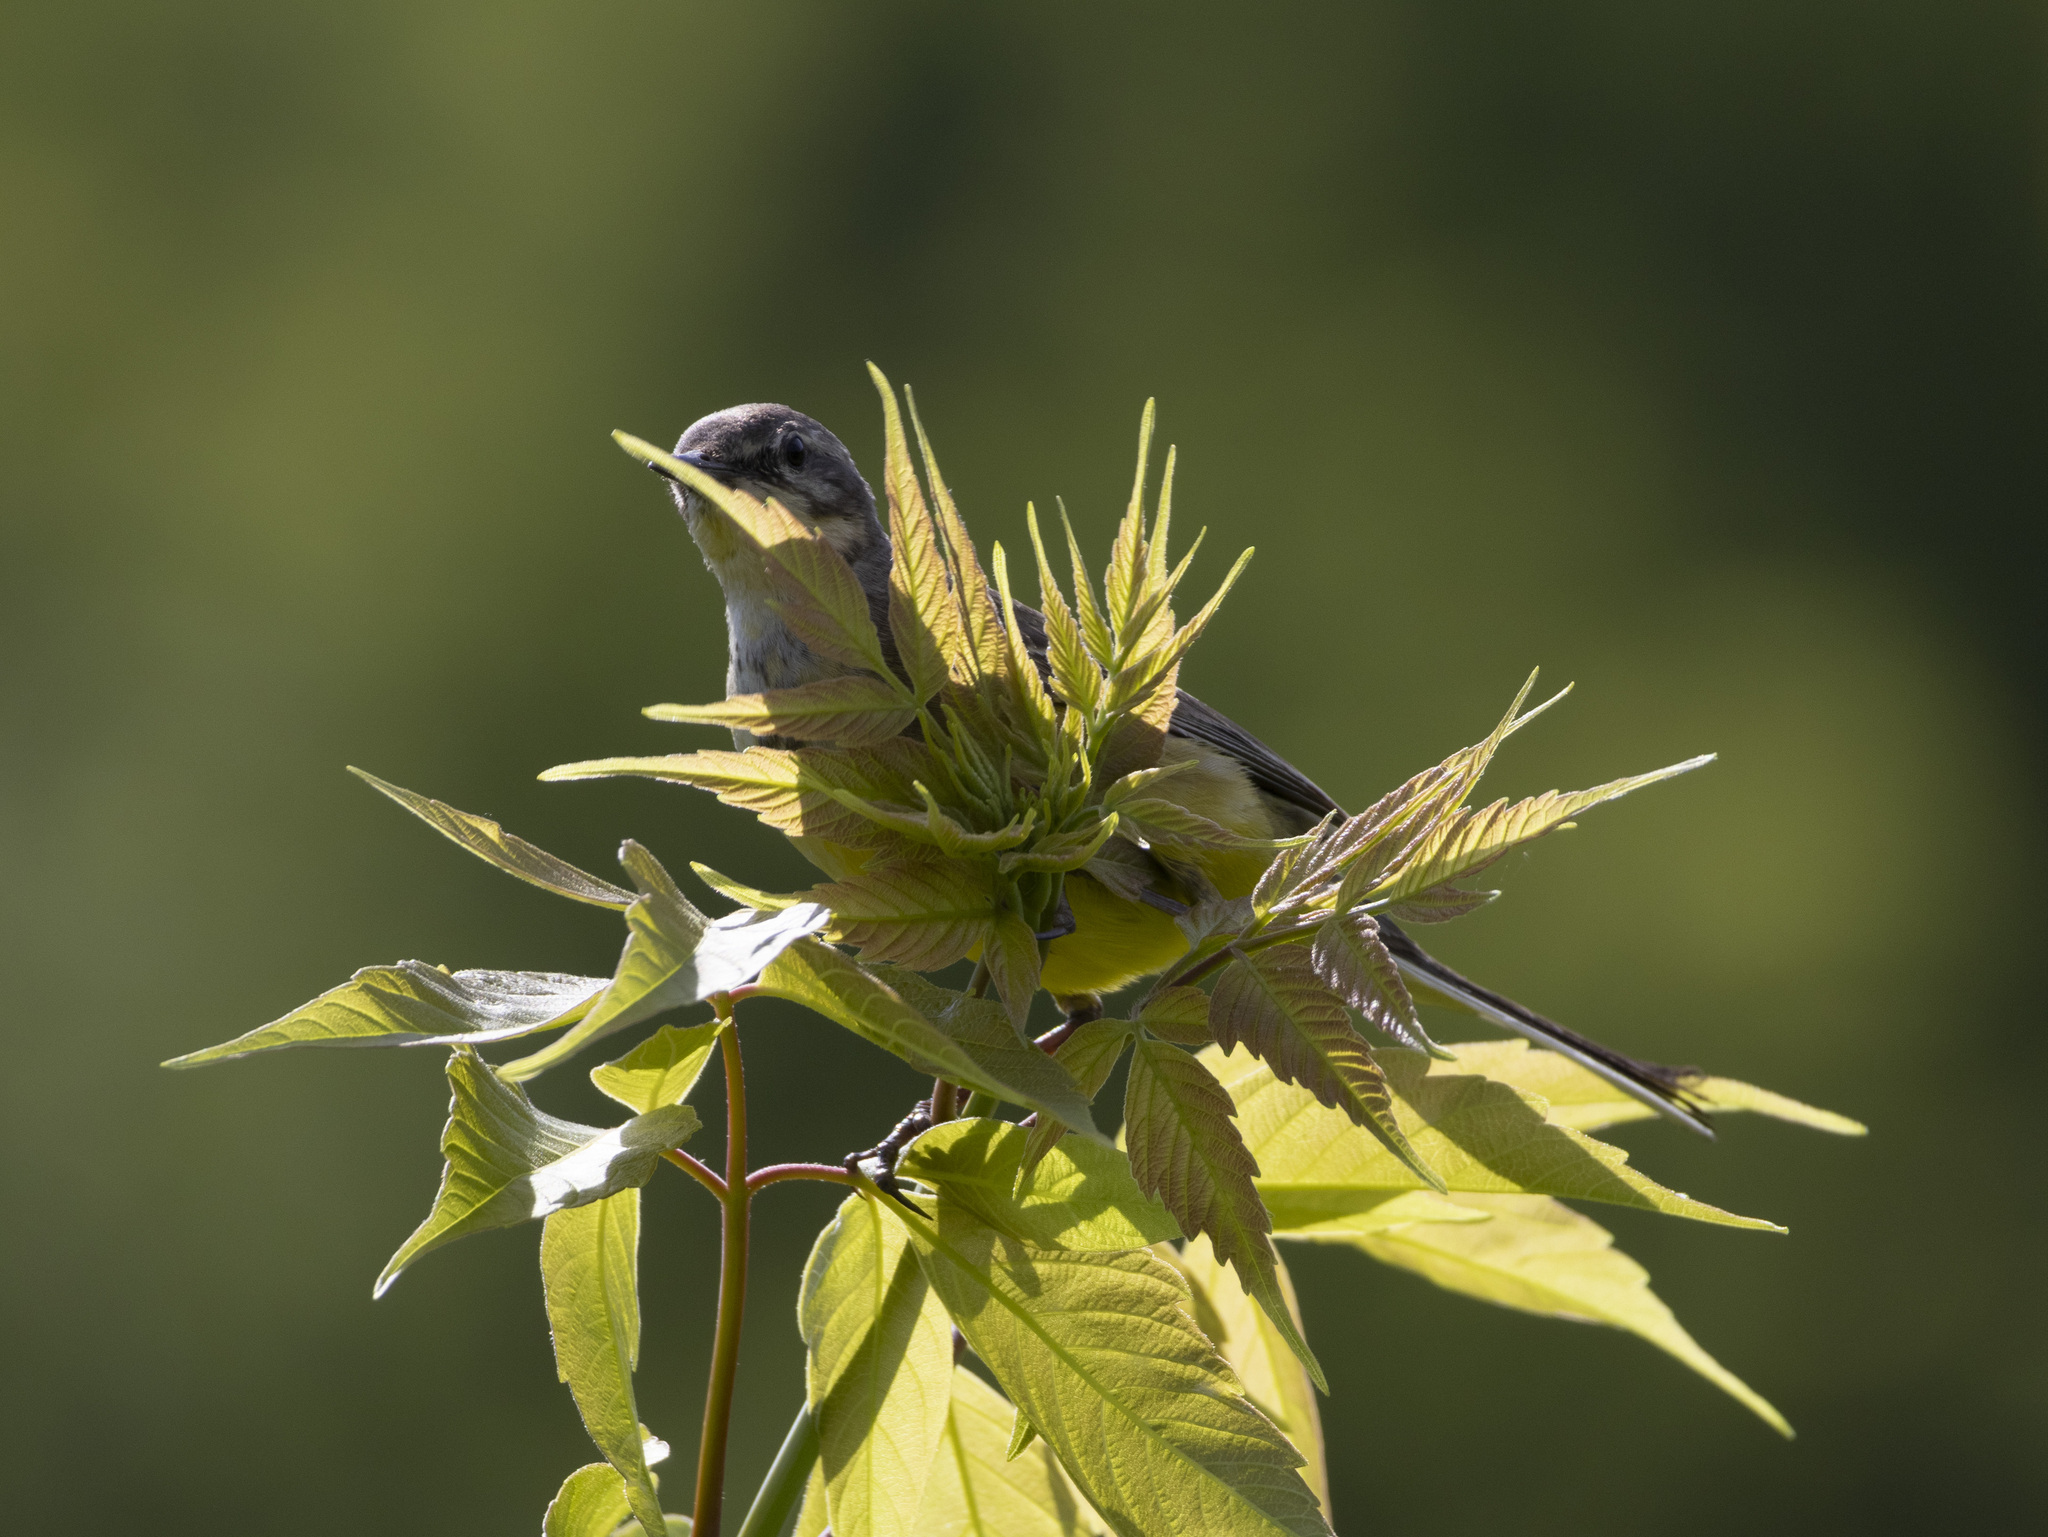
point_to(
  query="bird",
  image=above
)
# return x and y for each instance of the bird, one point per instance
(1232, 778)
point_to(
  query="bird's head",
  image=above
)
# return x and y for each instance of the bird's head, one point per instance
(773, 451)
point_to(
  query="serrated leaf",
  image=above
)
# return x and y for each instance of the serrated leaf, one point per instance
(879, 1370)
(661, 1070)
(1185, 1149)
(508, 1163)
(923, 915)
(1062, 851)
(674, 957)
(492, 844)
(1272, 1003)
(1349, 955)
(1031, 705)
(589, 1259)
(989, 649)
(1273, 1378)
(1538, 1256)
(977, 1490)
(970, 1048)
(1094, 627)
(1168, 825)
(937, 827)
(851, 711)
(1090, 1055)
(1467, 843)
(923, 614)
(1480, 1136)
(1097, 1350)
(590, 1503)
(413, 1004)
(1583, 1100)
(1076, 675)
(1081, 1196)
(1178, 1014)
(1440, 904)
(1011, 953)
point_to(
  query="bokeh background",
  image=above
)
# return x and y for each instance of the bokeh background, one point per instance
(1695, 353)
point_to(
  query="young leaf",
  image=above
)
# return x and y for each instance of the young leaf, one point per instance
(1583, 1100)
(1178, 1014)
(1273, 1379)
(1081, 1195)
(1272, 1003)
(1076, 676)
(1097, 1351)
(590, 1503)
(850, 711)
(1482, 1137)
(848, 994)
(508, 1163)
(923, 915)
(1090, 1054)
(1349, 955)
(1185, 1149)
(937, 827)
(1538, 1256)
(978, 1490)
(1062, 851)
(1172, 827)
(1094, 627)
(412, 1004)
(661, 1070)
(990, 651)
(924, 616)
(491, 843)
(880, 1370)
(1440, 904)
(589, 1257)
(1011, 952)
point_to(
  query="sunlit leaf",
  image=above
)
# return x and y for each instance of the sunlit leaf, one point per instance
(923, 915)
(1090, 1055)
(1076, 675)
(508, 1163)
(989, 649)
(661, 1070)
(1081, 1196)
(1097, 1350)
(589, 1257)
(1538, 1256)
(1273, 1377)
(1349, 955)
(1094, 627)
(1178, 1014)
(1272, 1003)
(1062, 851)
(490, 842)
(934, 825)
(1440, 904)
(924, 615)
(1032, 705)
(851, 711)
(1185, 1149)
(590, 1503)
(1480, 1136)
(1011, 952)
(412, 1004)
(879, 1372)
(978, 1490)
(1168, 825)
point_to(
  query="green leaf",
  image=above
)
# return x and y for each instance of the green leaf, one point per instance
(924, 612)
(1011, 952)
(490, 842)
(851, 711)
(1440, 904)
(1272, 1003)
(1349, 955)
(1090, 1055)
(1480, 1136)
(590, 1503)
(1179, 1014)
(1273, 1377)
(880, 1370)
(589, 1257)
(967, 1046)
(1081, 1195)
(978, 1490)
(1097, 1350)
(1172, 827)
(1061, 851)
(508, 1163)
(1538, 1256)
(412, 1004)
(923, 915)
(1076, 675)
(1587, 1102)
(661, 1070)
(1186, 1150)
(935, 826)
(674, 957)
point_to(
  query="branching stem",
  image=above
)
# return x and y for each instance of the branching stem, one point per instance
(732, 1285)
(776, 1173)
(696, 1171)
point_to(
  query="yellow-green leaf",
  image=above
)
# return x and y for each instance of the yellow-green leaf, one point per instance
(1062, 851)
(879, 1371)
(590, 1503)
(491, 843)
(1535, 1255)
(923, 914)
(508, 1163)
(413, 1004)
(1350, 956)
(978, 1490)
(1090, 1054)
(850, 711)
(1185, 1149)
(1081, 1195)
(1011, 952)
(924, 615)
(661, 1070)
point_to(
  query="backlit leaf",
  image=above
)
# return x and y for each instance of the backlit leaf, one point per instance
(1097, 1350)
(508, 1163)
(934, 825)
(852, 711)
(1168, 825)
(412, 1004)
(1011, 952)
(1178, 1014)
(1090, 1055)
(1349, 955)
(923, 613)
(988, 647)
(923, 915)
(1062, 851)
(661, 1070)
(1272, 1003)
(590, 1503)
(1440, 904)
(1076, 676)
(490, 842)
(1081, 1196)
(1185, 1149)
(879, 1371)
(1538, 1256)
(589, 1257)
(978, 1490)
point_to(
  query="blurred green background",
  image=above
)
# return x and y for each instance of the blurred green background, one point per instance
(1694, 353)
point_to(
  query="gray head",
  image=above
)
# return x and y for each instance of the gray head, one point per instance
(772, 451)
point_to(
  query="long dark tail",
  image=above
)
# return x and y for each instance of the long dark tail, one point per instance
(1662, 1088)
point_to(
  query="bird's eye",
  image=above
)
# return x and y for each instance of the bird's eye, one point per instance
(793, 451)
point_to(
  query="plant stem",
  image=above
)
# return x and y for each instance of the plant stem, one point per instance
(776, 1173)
(732, 1289)
(784, 1485)
(696, 1171)
(945, 1101)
